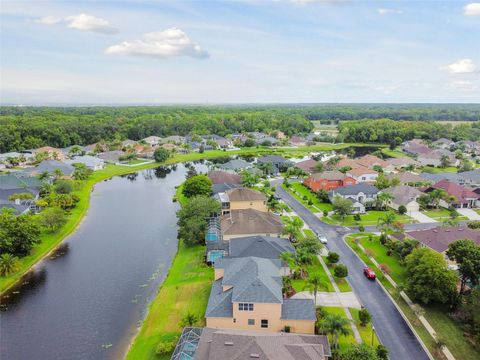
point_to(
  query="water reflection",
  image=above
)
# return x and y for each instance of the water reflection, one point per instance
(29, 284)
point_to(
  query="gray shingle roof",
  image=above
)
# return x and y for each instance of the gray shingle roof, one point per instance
(17, 181)
(260, 246)
(219, 302)
(50, 166)
(235, 164)
(403, 194)
(452, 177)
(356, 189)
(274, 159)
(298, 309)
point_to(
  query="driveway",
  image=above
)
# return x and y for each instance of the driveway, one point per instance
(421, 218)
(469, 213)
(344, 299)
(392, 329)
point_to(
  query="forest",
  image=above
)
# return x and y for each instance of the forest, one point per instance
(30, 127)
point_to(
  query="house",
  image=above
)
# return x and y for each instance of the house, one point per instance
(279, 163)
(222, 177)
(347, 163)
(436, 177)
(362, 195)
(307, 165)
(52, 153)
(404, 195)
(242, 198)
(328, 180)
(415, 147)
(127, 143)
(247, 294)
(464, 198)
(434, 158)
(471, 178)
(222, 344)
(402, 162)
(297, 141)
(371, 161)
(144, 151)
(408, 178)
(111, 157)
(15, 159)
(51, 167)
(439, 238)
(174, 139)
(220, 188)
(97, 147)
(248, 222)
(91, 162)
(362, 174)
(12, 184)
(222, 143)
(235, 165)
(443, 143)
(152, 140)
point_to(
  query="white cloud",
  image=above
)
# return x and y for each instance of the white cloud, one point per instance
(463, 85)
(49, 20)
(87, 22)
(462, 66)
(84, 22)
(472, 9)
(382, 11)
(160, 45)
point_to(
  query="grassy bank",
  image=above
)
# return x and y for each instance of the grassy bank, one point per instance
(186, 289)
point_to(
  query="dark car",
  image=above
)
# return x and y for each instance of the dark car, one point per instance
(369, 273)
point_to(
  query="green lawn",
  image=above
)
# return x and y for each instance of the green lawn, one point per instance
(370, 218)
(344, 341)
(365, 331)
(441, 213)
(342, 284)
(434, 170)
(186, 288)
(449, 330)
(298, 191)
(393, 153)
(314, 268)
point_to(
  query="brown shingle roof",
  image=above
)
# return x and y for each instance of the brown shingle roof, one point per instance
(371, 160)
(250, 221)
(407, 177)
(307, 165)
(333, 175)
(439, 238)
(222, 177)
(361, 171)
(244, 194)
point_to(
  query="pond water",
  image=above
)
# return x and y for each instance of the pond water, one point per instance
(87, 299)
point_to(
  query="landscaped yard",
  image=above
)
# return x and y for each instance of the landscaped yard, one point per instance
(342, 284)
(298, 190)
(450, 331)
(434, 170)
(393, 153)
(370, 218)
(344, 341)
(365, 331)
(186, 289)
(441, 213)
(314, 268)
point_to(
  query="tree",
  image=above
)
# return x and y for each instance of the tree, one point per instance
(340, 271)
(310, 245)
(335, 326)
(63, 186)
(385, 223)
(402, 210)
(360, 352)
(193, 218)
(249, 179)
(444, 161)
(292, 227)
(428, 277)
(43, 175)
(81, 172)
(189, 319)
(267, 168)
(382, 352)
(58, 173)
(467, 256)
(314, 283)
(161, 155)
(199, 185)
(318, 167)
(383, 199)
(341, 206)
(18, 234)
(333, 257)
(76, 150)
(322, 195)
(8, 264)
(469, 315)
(52, 218)
(249, 143)
(364, 316)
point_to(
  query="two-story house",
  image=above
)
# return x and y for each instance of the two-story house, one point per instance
(242, 198)
(362, 195)
(363, 174)
(247, 294)
(328, 180)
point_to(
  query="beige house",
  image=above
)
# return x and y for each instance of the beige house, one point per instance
(247, 294)
(242, 198)
(249, 222)
(404, 195)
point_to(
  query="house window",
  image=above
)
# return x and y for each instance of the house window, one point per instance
(364, 178)
(245, 307)
(264, 324)
(251, 321)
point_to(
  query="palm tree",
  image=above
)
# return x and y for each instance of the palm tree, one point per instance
(287, 258)
(44, 175)
(336, 326)
(386, 223)
(58, 173)
(314, 283)
(383, 199)
(292, 227)
(8, 264)
(436, 196)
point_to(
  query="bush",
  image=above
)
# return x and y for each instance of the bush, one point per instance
(474, 224)
(383, 239)
(340, 271)
(364, 317)
(161, 155)
(382, 352)
(310, 202)
(305, 197)
(385, 269)
(325, 213)
(333, 257)
(64, 186)
(361, 228)
(357, 217)
(402, 210)
(165, 347)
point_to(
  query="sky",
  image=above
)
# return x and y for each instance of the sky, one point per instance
(252, 51)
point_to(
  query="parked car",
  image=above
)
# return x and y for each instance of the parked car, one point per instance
(369, 273)
(322, 239)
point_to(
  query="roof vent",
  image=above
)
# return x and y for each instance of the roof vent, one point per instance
(228, 343)
(435, 231)
(255, 356)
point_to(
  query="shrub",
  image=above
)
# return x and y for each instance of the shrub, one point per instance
(310, 202)
(361, 228)
(474, 224)
(382, 352)
(340, 271)
(357, 217)
(383, 239)
(325, 213)
(165, 347)
(305, 197)
(333, 257)
(402, 210)
(364, 317)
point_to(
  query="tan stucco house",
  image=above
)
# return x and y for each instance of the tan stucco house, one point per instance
(242, 198)
(249, 222)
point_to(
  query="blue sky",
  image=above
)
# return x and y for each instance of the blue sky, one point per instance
(256, 51)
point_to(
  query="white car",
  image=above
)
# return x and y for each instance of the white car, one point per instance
(322, 239)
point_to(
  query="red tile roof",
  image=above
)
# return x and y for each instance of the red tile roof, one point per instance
(460, 193)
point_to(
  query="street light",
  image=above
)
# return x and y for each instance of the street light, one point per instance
(373, 332)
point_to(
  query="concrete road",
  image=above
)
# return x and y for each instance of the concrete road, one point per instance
(390, 326)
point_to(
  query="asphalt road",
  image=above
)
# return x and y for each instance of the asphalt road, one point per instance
(390, 326)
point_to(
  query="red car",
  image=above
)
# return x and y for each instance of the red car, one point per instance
(369, 273)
